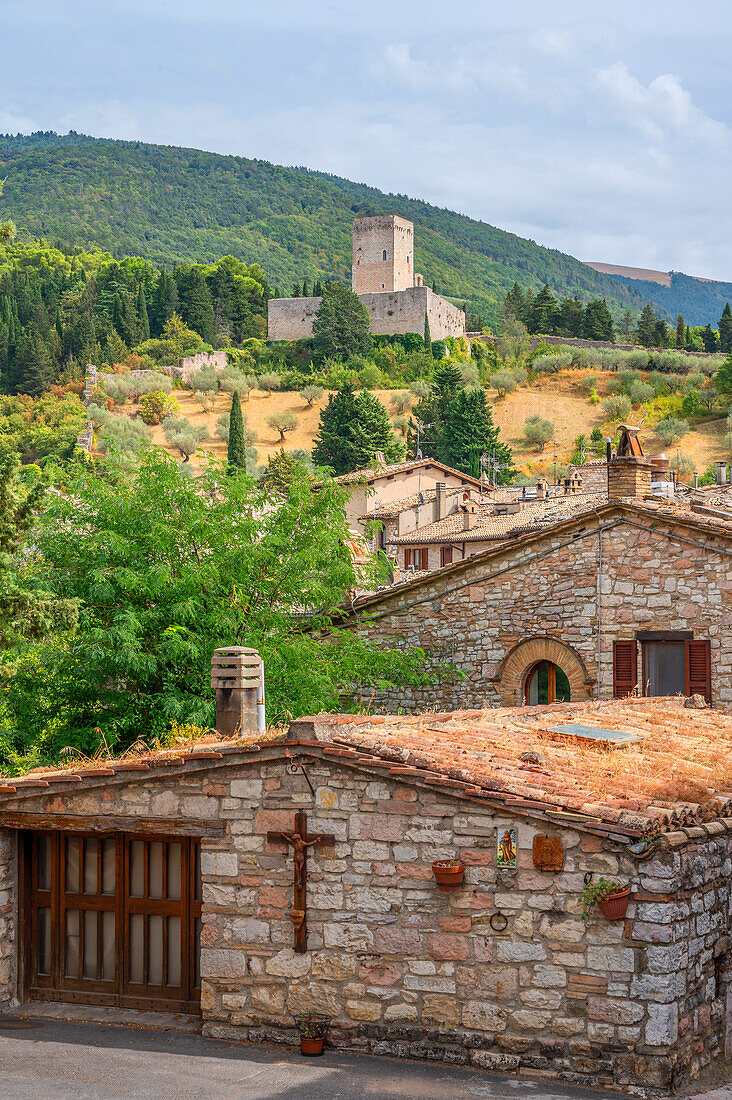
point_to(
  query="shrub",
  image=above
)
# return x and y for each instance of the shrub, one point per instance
(538, 432)
(156, 406)
(691, 404)
(401, 425)
(269, 382)
(640, 392)
(503, 382)
(119, 388)
(282, 422)
(471, 375)
(420, 390)
(616, 408)
(204, 380)
(149, 383)
(401, 403)
(184, 436)
(205, 400)
(123, 433)
(311, 394)
(232, 380)
(371, 377)
(671, 429)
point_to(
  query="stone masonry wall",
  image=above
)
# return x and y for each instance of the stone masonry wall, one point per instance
(406, 970)
(549, 588)
(8, 893)
(397, 312)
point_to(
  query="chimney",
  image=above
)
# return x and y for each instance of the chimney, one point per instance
(695, 482)
(379, 460)
(542, 488)
(628, 476)
(608, 449)
(236, 676)
(440, 500)
(470, 515)
(721, 473)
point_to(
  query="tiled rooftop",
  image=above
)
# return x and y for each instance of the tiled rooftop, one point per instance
(370, 473)
(487, 526)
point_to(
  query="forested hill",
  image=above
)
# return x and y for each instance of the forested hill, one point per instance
(169, 204)
(700, 300)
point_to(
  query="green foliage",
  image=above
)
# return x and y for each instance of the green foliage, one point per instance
(616, 408)
(175, 567)
(236, 452)
(312, 394)
(538, 432)
(281, 469)
(503, 382)
(725, 330)
(27, 609)
(341, 324)
(427, 335)
(38, 428)
(468, 433)
(282, 423)
(156, 405)
(592, 892)
(670, 429)
(723, 377)
(352, 429)
(184, 436)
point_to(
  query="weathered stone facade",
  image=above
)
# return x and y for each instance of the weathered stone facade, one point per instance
(8, 916)
(392, 312)
(383, 254)
(406, 970)
(583, 585)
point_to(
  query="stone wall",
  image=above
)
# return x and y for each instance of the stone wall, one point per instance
(8, 903)
(406, 970)
(398, 312)
(370, 272)
(547, 587)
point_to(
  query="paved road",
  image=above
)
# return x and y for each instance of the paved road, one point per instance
(72, 1060)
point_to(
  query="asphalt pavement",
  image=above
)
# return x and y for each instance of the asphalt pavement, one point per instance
(56, 1059)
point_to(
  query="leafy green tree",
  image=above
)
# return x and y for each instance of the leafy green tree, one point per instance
(142, 314)
(723, 377)
(185, 437)
(597, 323)
(341, 324)
(571, 317)
(27, 609)
(333, 445)
(680, 331)
(691, 404)
(282, 422)
(281, 469)
(7, 229)
(725, 330)
(538, 432)
(311, 394)
(626, 324)
(372, 432)
(175, 567)
(469, 433)
(660, 334)
(645, 333)
(236, 453)
(670, 429)
(503, 382)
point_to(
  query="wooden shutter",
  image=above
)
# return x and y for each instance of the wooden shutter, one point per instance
(423, 559)
(446, 555)
(699, 669)
(624, 668)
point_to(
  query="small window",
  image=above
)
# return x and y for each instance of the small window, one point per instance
(446, 555)
(383, 254)
(416, 559)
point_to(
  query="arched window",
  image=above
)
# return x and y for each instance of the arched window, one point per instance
(383, 254)
(546, 683)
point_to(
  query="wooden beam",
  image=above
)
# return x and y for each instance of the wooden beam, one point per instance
(83, 823)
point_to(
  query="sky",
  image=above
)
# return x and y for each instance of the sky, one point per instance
(601, 130)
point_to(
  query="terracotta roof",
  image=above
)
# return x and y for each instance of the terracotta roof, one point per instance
(677, 774)
(394, 507)
(534, 516)
(675, 780)
(373, 473)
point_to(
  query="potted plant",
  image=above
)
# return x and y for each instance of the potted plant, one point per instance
(313, 1030)
(611, 897)
(448, 874)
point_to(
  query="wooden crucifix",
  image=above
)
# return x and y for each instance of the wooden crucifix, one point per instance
(300, 842)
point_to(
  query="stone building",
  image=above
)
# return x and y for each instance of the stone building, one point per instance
(172, 881)
(627, 594)
(383, 277)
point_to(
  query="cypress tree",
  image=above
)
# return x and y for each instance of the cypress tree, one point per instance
(515, 303)
(680, 331)
(469, 432)
(427, 335)
(142, 314)
(295, 290)
(236, 454)
(195, 303)
(725, 329)
(645, 333)
(166, 301)
(305, 291)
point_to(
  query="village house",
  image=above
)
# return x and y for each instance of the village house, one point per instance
(259, 881)
(632, 592)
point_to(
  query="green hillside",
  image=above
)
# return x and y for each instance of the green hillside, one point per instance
(170, 204)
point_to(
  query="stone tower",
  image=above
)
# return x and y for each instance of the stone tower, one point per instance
(383, 254)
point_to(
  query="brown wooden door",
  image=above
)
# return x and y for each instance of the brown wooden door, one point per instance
(113, 920)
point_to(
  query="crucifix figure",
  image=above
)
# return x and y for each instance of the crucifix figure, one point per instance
(300, 842)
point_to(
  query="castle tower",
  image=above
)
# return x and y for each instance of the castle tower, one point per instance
(383, 254)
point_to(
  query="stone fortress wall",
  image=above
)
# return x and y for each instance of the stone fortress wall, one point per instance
(383, 254)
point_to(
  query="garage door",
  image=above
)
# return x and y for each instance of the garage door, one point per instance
(113, 919)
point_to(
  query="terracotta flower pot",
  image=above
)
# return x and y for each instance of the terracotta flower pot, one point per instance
(309, 1047)
(448, 874)
(615, 906)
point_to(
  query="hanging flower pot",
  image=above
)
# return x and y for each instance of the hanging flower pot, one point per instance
(448, 874)
(611, 898)
(313, 1030)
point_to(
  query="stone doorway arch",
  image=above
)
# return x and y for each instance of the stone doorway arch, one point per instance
(524, 657)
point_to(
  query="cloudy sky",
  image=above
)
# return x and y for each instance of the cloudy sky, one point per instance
(602, 130)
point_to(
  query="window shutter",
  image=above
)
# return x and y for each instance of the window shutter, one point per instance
(699, 669)
(624, 668)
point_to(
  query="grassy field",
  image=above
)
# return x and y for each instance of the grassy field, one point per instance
(555, 398)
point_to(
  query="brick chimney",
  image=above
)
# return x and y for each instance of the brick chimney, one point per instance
(236, 676)
(542, 488)
(470, 515)
(628, 476)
